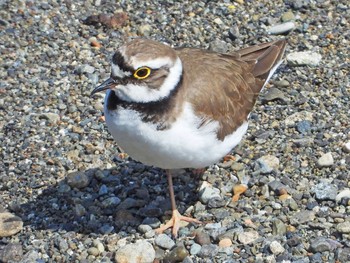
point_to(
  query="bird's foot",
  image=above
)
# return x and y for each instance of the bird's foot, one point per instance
(238, 190)
(174, 222)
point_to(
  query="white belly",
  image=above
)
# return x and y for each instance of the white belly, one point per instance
(181, 146)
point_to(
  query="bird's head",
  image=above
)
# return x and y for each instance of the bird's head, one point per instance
(143, 71)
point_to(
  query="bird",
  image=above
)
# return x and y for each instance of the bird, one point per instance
(176, 108)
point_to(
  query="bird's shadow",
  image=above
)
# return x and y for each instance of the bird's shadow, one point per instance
(113, 200)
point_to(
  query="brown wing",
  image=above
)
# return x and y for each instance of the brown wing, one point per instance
(229, 84)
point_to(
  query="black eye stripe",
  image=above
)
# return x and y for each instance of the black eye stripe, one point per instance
(119, 60)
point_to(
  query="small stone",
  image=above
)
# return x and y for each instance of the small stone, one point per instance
(281, 28)
(86, 69)
(11, 252)
(343, 254)
(178, 254)
(306, 58)
(141, 252)
(219, 46)
(144, 228)
(164, 241)
(195, 248)
(51, 117)
(93, 251)
(207, 192)
(276, 248)
(268, 163)
(79, 210)
(302, 217)
(344, 227)
(100, 247)
(218, 21)
(298, 116)
(325, 160)
(202, 238)
(226, 242)
(278, 227)
(111, 201)
(325, 190)
(287, 16)
(78, 180)
(145, 30)
(346, 147)
(343, 195)
(10, 224)
(304, 126)
(320, 244)
(248, 237)
(208, 251)
(273, 94)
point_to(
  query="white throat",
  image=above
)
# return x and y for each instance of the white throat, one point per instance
(143, 94)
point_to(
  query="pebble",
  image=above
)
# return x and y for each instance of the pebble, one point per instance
(278, 227)
(268, 163)
(207, 192)
(325, 160)
(303, 126)
(273, 94)
(276, 248)
(178, 254)
(248, 237)
(325, 190)
(346, 147)
(52, 117)
(93, 251)
(293, 119)
(78, 180)
(287, 16)
(302, 217)
(10, 224)
(320, 244)
(344, 227)
(281, 28)
(208, 251)
(164, 241)
(345, 193)
(195, 248)
(141, 252)
(225, 242)
(305, 58)
(202, 238)
(12, 252)
(343, 254)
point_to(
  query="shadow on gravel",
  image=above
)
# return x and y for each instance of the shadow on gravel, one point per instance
(108, 201)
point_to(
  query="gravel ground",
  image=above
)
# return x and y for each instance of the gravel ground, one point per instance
(68, 195)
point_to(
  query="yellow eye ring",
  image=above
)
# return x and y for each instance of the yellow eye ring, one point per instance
(142, 73)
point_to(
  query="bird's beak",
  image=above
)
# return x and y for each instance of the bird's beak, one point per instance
(108, 84)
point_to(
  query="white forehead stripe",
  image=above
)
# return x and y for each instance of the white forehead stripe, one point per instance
(153, 63)
(118, 72)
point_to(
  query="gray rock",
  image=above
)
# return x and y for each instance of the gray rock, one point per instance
(302, 217)
(111, 201)
(208, 251)
(144, 228)
(141, 252)
(276, 248)
(202, 238)
(273, 94)
(10, 224)
(298, 116)
(281, 28)
(320, 244)
(178, 254)
(86, 69)
(78, 180)
(195, 248)
(306, 58)
(268, 163)
(343, 194)
(304, 126)
(219, 46)
(164, 241)
(346, 147)
(325, 160)
(287, 16)
(248, 237)
(344, 227)
(325, 190)
(343, 254)
(11, 252)
(31, 256)
(208, 192)
(51, 117)
(278, 227)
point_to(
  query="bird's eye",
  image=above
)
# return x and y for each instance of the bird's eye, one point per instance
(142, 73)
